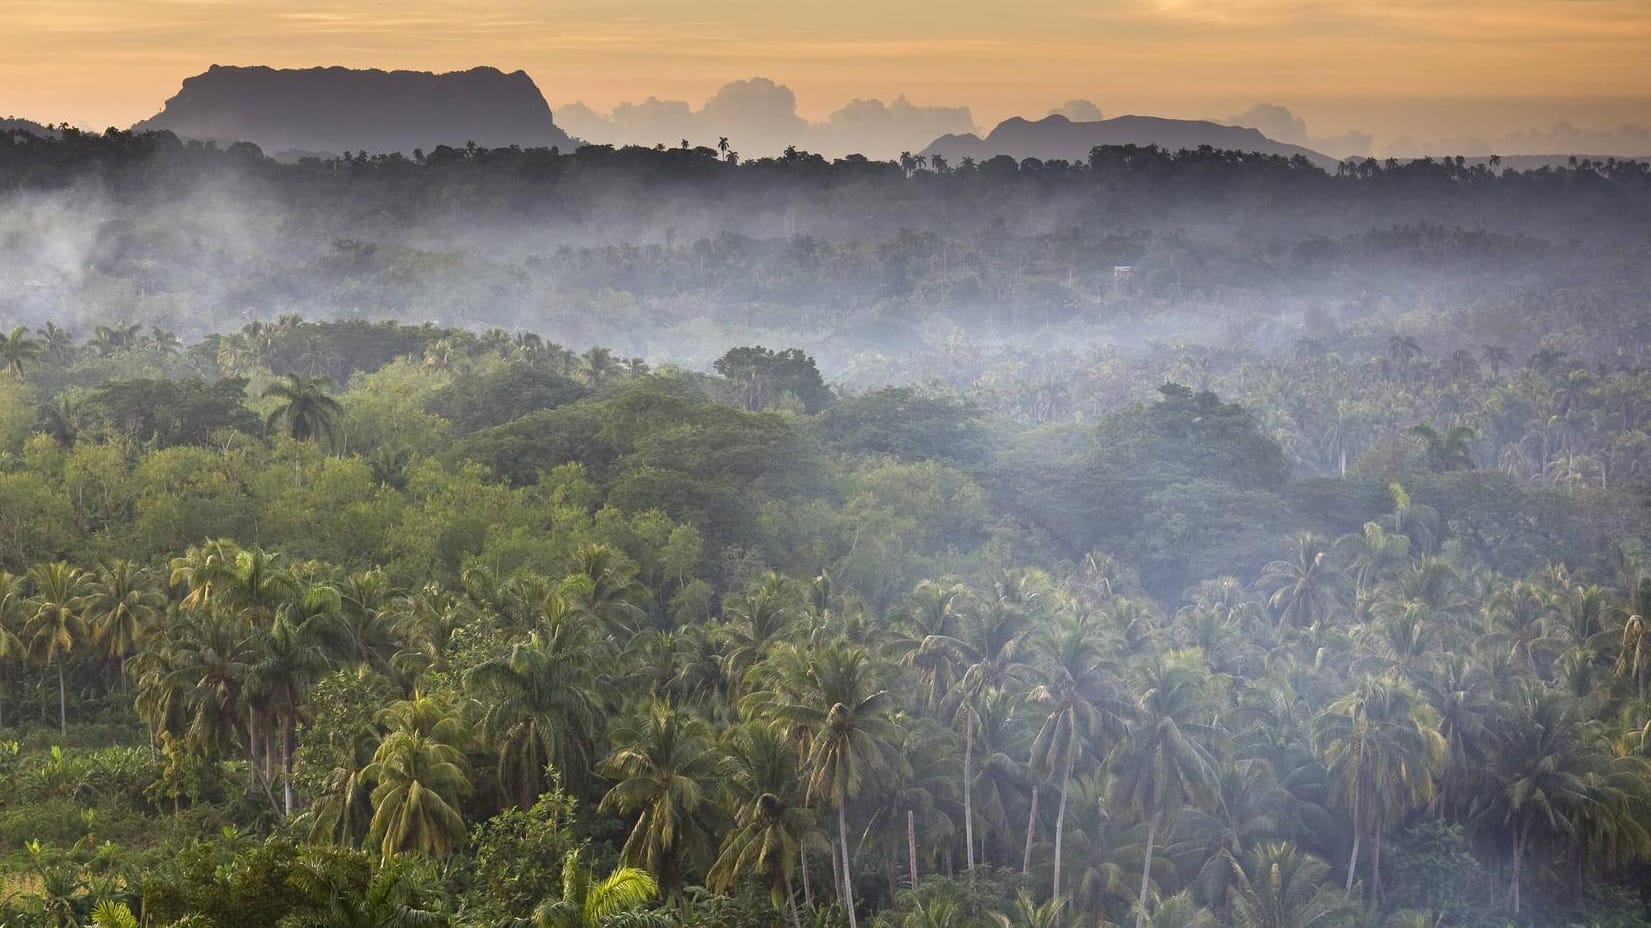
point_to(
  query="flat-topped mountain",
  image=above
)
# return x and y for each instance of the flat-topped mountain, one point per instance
(1058, 137)
(340, 109)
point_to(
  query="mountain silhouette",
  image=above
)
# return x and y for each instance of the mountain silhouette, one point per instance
(14, 123)
(1058, 137)
(333, 110)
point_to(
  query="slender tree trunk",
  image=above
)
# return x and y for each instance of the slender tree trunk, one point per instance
(1146, 871)
(808, 885)
(252, 749)
(848, 878)
(911, 844)
(1518, 863)
(836, 871)
(1343, 461)
(62, 703)
(791, 901)
(1353, 862)
(1376, 865)
(288, 727)
(1060, 828)
(968, 792)
(1031, 827)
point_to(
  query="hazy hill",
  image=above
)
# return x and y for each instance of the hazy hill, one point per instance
(1058, 137)
(13, 123)
(339, 109)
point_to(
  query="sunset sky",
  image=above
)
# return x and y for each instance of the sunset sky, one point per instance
(1420, 68)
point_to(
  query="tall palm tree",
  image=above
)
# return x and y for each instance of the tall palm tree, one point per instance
(771, 832)
(289, 657)
(833, 695)
(664, 768)
(1078, 693)
(987, 648)
(541, 709)
(1306, 586)
(122, 603)
(55, 627)
(17, 350)
(14, 611)
(418, 784)
(1167, 759)
(1381, 747)
(304, 411)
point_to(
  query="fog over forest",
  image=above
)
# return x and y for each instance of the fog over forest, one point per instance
(663, 536)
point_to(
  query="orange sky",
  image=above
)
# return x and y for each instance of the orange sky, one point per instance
(1393, 67)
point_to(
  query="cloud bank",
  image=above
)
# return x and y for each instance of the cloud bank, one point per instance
(759, 117)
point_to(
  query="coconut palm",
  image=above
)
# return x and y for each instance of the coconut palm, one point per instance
(14, 610)
(122, 603)
(418, 782)
(1166, 759)
(54, 627)
(771, 833)
(664, 771)
(833, 695)
(1306, 586)
(303, 409)
(540, 709)
(18, 350)
(288, 658)
(1279, 886)
(1078, 694)
(1381, 747)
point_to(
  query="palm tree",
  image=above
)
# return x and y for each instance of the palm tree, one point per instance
(770, 833)
(598, 367)
(1447, 451)
(987, 649)
(664, 770)
(1496, 357)
(1281, 887)
(1553, 781)
(55, 627)
(615, 901)
(304, 410)
(419, 782)
(14, 611)
(603, 587)
(289, 657)
(56, 343)
(541, 710)
(1403, 348)
(1081, 703)
(1306, 586)
(1165, 761)
(1381, 745)
(834, 695)
(17, 349)
(121, 605)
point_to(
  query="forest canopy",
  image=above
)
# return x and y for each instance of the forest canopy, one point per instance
(1183, 539)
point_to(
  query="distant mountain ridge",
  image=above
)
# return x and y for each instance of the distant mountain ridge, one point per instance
(1058, 137)
(14, 123)
(335, 110)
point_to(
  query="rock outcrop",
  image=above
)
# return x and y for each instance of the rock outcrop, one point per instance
(334, 110)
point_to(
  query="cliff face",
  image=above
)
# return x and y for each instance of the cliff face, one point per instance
(1059, 137)
(338, 109)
